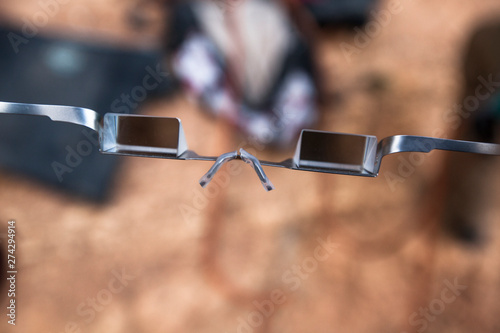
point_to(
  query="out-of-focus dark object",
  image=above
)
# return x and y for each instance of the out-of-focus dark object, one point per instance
(476, 118)
(3, 265)
(37, 69)
(246, 61)
(339, 12)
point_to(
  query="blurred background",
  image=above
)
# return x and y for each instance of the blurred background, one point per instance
(136, 245)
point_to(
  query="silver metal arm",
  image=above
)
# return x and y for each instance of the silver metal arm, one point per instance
(75, 115)
(411, 143)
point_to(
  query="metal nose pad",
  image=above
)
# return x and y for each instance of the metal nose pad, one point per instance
(247, 158)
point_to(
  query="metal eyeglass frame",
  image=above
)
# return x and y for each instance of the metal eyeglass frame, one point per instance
(316, 151)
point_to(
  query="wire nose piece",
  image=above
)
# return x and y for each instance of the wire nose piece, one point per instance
(222, 159)
(254, 162)
(247, 158)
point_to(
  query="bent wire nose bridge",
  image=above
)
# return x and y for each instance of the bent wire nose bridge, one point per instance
(316, 151)
(245, 157)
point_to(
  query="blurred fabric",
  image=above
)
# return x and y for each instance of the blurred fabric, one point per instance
(248, 62)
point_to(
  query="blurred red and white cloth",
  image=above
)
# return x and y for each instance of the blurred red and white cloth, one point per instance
(248, 63)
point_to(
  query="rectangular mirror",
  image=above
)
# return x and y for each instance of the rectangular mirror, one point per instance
(336, 151)
(143, 134)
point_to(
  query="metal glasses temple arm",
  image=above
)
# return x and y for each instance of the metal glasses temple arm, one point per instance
(76, 115)
(411, 143)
